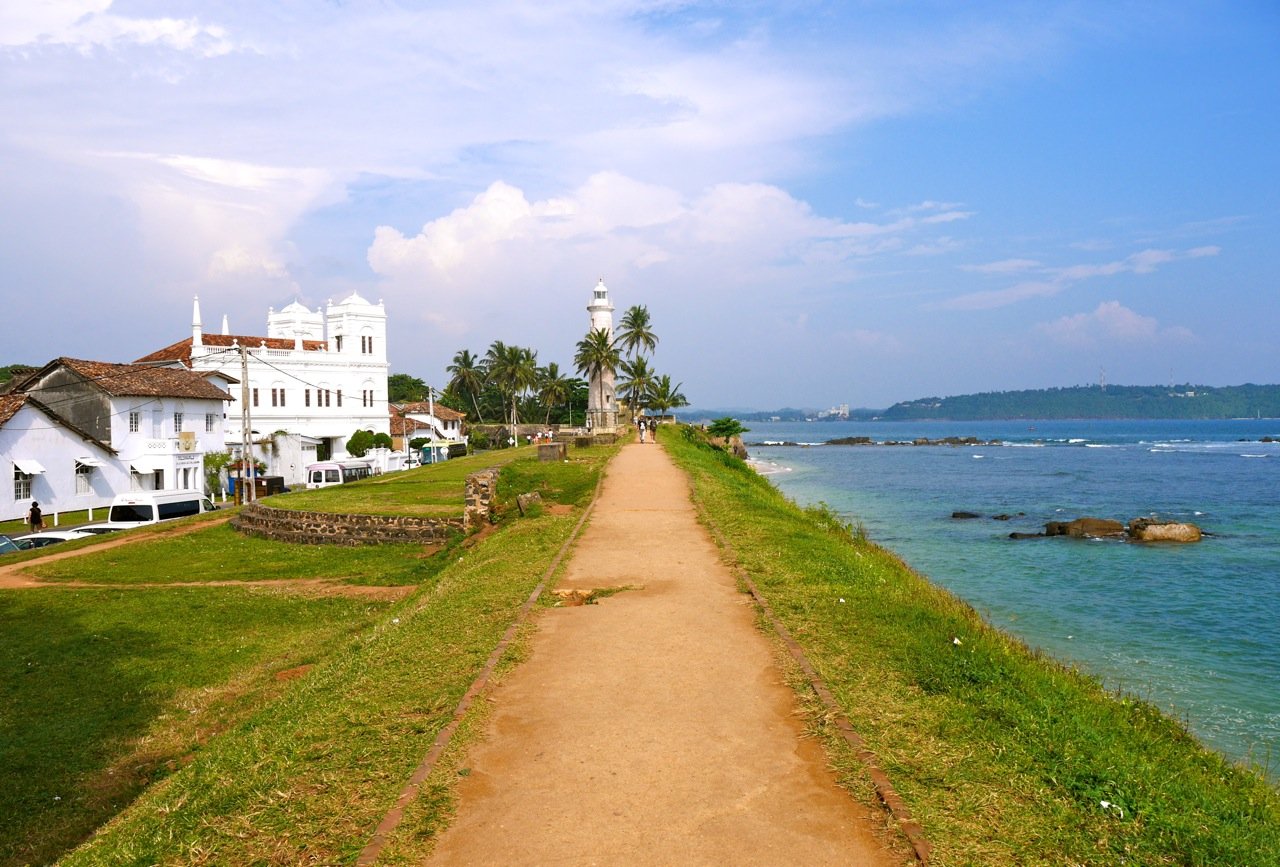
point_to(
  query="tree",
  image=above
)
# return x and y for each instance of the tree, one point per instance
(468, 378)
(554, 388)
(636, 383)
(635, 332)
(597, 354)
(726, 427)
(513, 370)
(664, 396)
(359, 443)
(403, 388)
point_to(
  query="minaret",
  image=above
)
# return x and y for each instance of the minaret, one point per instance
(197, 329)
(602, 405)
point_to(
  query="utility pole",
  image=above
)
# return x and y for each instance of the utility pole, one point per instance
(430, 411)
(246, 431)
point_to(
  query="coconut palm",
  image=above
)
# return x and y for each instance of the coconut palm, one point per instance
(664, 396)
(636, 383)
(635, 332)
(554, 388)
(512, 370)
(596, 355)
(468, 378)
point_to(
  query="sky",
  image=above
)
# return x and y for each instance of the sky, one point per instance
(819, 203)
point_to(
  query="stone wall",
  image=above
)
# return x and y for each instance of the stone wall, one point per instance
(328, 528)
(480, 490)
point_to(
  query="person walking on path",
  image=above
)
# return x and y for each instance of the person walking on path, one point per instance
(35, 518)
(654, 727)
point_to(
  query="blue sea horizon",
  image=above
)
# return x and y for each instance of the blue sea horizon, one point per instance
(1193, 628)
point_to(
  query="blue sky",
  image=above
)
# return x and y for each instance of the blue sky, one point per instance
(819, 203)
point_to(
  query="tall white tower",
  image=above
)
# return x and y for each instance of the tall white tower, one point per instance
(602, 404)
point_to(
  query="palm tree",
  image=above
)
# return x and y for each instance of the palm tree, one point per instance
(636, 331)
(468, 378)
(554, 388)
(664, 396)
(597, 354)
(636, 383)
(513, 370)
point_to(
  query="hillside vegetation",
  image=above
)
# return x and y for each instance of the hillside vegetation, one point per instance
(1113, 401)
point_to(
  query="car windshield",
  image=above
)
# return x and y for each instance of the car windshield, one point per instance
(7, 546)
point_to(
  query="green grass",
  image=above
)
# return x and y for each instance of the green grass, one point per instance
(1004, 756)
(265, 771)
(434, 490)
(219, 553)
(106, 691)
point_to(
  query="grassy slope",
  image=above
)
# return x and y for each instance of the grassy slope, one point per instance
(104, 691)
(307, 777)
(1005, 757)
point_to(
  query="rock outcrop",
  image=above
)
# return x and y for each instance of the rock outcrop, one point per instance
(1151, 530)
(1085, 528)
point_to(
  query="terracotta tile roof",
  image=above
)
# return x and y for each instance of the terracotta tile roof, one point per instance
(181, 351)
(146, 380)
(402, 426)
(443, 413)
(9, 406)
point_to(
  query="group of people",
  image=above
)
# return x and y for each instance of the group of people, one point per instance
(647, 427)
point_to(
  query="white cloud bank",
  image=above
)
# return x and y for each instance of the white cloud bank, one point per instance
(1112, 322)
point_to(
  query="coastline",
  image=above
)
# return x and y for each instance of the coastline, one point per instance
(1191, 630)
(971, 717)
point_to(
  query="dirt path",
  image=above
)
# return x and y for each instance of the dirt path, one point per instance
(652, 728)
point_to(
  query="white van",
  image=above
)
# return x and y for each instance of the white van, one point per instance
(149, 507)
(326, 473)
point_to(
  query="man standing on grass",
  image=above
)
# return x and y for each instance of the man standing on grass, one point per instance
(35, 518)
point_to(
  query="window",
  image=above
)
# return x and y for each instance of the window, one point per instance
(177, 423)
(366, 344)
(21, 485)
(339, 397)
(282, 395)
(84, 479)
(210, 420)
(255, 397)
(274, 392)
(306, 397)
(337, 342)
(326, 397)
(135, 421)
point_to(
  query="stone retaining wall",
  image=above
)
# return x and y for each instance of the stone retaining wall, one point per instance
(328, 528)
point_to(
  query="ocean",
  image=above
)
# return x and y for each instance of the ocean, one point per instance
(1193, 628)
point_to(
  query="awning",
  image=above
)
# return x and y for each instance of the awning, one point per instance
(148, 463)
(91, 462)
(28, 466)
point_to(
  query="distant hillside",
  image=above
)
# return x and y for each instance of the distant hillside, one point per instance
(1112, 401)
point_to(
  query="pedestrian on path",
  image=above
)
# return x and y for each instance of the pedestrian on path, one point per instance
(35, 518)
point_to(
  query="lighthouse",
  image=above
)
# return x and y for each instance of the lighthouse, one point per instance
(602, 406)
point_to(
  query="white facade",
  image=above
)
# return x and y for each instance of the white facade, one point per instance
(72, 447)
(318, 375)
(602, 402)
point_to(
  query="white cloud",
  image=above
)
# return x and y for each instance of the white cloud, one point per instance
(1056, 280)
(1113, 323)
(86, 23)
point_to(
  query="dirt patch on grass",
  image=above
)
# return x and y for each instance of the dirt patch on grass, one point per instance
(307, 586)
(295, 672)
(13, 575)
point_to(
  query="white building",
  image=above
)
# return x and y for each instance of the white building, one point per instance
(76, 433)
(602, 403)
(318, 375)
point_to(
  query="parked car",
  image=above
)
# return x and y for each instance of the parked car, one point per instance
(7, 546)
(48, 537)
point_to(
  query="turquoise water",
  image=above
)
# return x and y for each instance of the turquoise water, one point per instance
(1193, 628)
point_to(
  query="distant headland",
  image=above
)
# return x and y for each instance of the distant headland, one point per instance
(1074, 402)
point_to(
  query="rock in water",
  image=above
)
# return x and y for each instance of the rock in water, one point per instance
(1149, 530)
(1085, 528)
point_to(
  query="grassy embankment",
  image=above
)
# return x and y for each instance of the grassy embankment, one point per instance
(1003, 755)
(256, 724)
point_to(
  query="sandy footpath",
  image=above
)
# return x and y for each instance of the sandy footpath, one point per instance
(652, 728)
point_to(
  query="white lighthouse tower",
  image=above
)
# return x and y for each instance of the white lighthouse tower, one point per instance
(602, 405)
